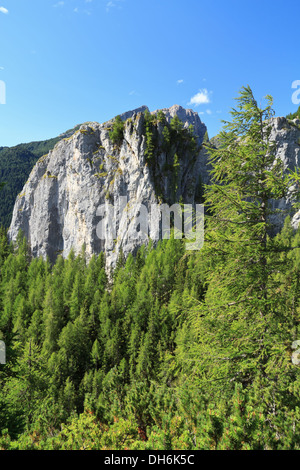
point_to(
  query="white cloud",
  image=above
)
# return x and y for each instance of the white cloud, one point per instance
(113, 4)
(134, 93)
(3, 10)
(85, 12)
(59, 4)
(202, 97)
(110, 5)
(179, 81)
(209, 111)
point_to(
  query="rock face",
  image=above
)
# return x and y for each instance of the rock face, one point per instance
(286, 134)
(188, 117)
(92, 185)
(61, 206)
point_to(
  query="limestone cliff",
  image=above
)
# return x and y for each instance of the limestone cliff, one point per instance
(58, 208)
(286, 134)
(152, 160)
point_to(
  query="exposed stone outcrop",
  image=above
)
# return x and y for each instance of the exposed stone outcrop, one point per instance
(188, 117)
(58, 208)
(286, 134)
(61, 206)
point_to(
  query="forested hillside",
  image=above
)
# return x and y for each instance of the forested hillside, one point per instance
(180, 349)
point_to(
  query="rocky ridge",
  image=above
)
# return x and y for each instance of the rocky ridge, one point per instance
(59, 208)
(63, 202)
(286, 134)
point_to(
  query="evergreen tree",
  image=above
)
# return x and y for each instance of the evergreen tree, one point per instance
(116, 134)
(243, 325)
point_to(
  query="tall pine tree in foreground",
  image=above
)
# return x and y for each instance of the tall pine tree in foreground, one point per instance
(245, 326)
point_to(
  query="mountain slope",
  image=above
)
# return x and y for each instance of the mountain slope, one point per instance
(144, 157)
(16, 164)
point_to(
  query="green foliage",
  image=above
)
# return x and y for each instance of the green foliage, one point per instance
(150, 133)
(73, 348)
(161, 117)
(244, 327)
(173, 140)
(176, 124)
(116, 134)
(178, 350)
(295, 115)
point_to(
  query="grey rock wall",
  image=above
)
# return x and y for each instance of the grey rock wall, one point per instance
(59, 208)
(286, 134)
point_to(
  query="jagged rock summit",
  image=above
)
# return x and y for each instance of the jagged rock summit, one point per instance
(58, 208)
(188, 117)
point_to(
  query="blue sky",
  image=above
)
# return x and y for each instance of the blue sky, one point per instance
(67, 62)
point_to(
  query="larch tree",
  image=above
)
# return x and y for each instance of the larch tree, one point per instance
(243, 325)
